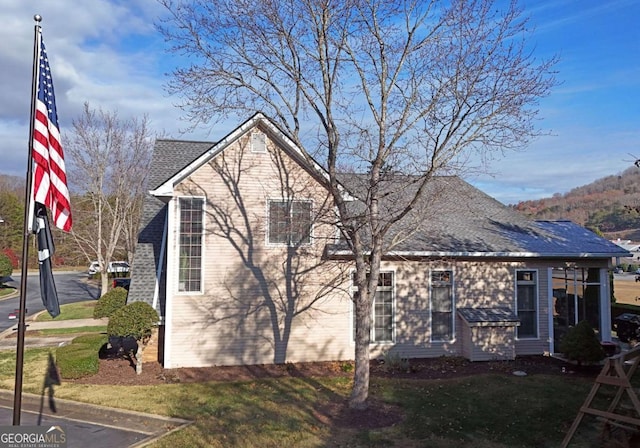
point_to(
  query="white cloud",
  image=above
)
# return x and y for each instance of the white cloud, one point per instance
(108, 53)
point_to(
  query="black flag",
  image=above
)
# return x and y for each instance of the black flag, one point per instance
(46, 250)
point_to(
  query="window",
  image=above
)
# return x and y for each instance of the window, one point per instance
(442, 306)
(190, 244)
(258, 142)
(526, 303)
(382, 328)
(289, 222)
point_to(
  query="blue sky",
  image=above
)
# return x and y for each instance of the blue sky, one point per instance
(107, 53)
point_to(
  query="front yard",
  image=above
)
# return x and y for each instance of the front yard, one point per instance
(493, 410)
(450, 404)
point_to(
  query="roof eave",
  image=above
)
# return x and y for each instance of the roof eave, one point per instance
(167, 188)
(464, 254)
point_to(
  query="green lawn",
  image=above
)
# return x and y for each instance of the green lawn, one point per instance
(486, 411)
(78, 310)
(6, 291)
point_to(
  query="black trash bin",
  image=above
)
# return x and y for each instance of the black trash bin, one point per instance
(627, 326)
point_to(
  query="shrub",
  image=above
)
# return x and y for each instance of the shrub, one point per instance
(109, 303)
(77, 360)
(582, 345)
(95, 341)
(6, 268)
(394, 362)
(347, 366)
(136, 320)
(81, 357)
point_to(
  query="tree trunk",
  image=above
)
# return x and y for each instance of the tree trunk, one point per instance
(139, 357)
(360, 391)
(104, 283)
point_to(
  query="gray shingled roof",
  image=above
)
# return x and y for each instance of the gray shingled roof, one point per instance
(455, 218)
(169, 157)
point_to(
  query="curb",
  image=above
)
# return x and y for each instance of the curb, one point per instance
(152, 425)
(16, 292)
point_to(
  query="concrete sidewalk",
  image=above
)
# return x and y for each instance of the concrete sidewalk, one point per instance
(8, 338)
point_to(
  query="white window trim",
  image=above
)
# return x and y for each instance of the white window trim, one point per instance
(352, 330)
(537, 304)
(177, 247)
(453, 308)
(268, 222)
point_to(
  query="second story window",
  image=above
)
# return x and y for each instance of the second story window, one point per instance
(290, 222)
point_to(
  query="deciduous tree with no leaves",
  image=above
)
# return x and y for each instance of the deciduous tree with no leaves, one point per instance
(375, 87)
(108, 159)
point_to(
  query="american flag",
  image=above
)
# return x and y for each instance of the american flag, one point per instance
(49, 177)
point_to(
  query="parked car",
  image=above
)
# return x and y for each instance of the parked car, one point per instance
(118, 267)
(121, 283)
(627, 326)
(94, 267)
(115, 268)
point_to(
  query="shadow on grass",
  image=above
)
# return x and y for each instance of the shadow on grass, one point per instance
(494, 410)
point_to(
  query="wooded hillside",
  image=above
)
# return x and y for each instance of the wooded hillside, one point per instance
(608, 205)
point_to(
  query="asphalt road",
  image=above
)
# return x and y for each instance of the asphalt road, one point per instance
(71, 286)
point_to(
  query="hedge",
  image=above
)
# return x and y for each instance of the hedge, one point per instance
(135, 320)
(81, 357)
(94, 340)
(109, 303)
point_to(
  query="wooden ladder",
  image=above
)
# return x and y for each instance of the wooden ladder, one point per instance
(617, 371)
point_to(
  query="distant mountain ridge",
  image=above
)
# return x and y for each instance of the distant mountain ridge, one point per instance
(608, 205)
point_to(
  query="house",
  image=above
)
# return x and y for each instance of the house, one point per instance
(239, 252)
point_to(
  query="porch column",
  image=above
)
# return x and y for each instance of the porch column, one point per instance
(605, 306)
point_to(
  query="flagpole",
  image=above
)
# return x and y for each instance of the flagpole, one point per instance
(17, 396)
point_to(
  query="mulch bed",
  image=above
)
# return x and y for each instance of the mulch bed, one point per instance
(120, 371)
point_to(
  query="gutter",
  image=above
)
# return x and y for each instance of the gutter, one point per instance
(465, 254)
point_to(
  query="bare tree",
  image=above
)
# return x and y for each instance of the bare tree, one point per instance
(109, 161)
(411, 87)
